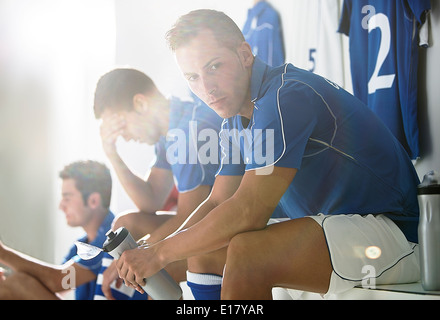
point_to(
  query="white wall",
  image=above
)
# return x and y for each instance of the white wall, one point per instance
(141, 43)
(51, 53)
(429, 98)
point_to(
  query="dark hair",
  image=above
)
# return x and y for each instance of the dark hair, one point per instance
(90, 176)
(115, 90)
(225, 30)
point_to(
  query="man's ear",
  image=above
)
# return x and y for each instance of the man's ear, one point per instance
(140, 103)
(94, 200)
(246, 55)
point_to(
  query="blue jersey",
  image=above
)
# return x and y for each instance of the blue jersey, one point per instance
(87, 290)
(348, 161)
(192, 126)
(384, 61)
(262, 31)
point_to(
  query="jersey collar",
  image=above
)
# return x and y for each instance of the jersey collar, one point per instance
(258, 71)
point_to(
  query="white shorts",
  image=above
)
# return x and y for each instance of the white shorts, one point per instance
(367, 251)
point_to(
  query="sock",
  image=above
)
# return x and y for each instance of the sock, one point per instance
(204, 286)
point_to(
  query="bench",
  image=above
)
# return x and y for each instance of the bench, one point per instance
(411, 291)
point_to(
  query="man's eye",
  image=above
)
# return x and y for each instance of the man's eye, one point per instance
(192, 78)
(215, 66)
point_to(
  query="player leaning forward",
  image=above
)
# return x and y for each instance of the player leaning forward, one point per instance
(337, 172)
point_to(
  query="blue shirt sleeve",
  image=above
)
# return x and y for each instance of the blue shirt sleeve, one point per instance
(344, 23)
(231, 163)
(190, 149)
(285, 124)
(208, 127)
(297, 122)
(419, 8)
(161, 155)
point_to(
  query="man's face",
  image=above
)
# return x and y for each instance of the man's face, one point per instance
(216, 74)
(133, 125)
(77, 212)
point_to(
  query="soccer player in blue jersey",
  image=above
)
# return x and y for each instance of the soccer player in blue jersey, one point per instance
(132, 107)
(86, 193)
(306, 146)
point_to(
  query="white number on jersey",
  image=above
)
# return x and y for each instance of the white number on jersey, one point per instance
(382, 22)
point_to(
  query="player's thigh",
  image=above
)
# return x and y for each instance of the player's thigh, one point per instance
(291, 254)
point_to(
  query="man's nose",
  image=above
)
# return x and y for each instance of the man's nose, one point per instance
(209, 86)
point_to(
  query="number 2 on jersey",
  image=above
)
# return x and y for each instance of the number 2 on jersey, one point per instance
(378, 82)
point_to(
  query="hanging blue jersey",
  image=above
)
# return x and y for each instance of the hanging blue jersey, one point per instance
(192, 126)
(384, 61)
(348, 161)
(262, 30)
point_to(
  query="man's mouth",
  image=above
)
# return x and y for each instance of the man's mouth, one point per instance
(217, 102)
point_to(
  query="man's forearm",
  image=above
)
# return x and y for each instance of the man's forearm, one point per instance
(209, 234)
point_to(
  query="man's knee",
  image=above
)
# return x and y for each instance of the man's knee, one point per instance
(242, 249)
(126, 220)
(246, 260)
(241, 244)
(245, 269)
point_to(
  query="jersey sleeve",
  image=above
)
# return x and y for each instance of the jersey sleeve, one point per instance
(297, 119)
(161, 155)
(419, 9)
(197, 160)
(231, 163)
(208, 127)
(344, 23)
